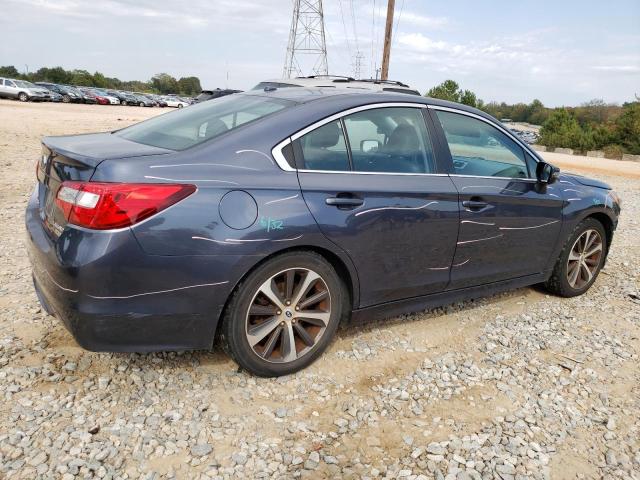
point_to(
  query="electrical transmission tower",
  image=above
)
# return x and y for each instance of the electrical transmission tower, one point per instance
(357, 64)
(306, 38)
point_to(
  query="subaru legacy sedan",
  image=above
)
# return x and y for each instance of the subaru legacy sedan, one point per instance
(264, 219)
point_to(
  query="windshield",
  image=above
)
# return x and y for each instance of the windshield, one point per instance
(23, 84)
(190, 126)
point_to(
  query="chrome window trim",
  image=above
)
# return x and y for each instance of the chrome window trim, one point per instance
(284, 165)
(279, 156)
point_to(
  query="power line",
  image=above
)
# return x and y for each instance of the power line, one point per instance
(344, 26)
(393, 41)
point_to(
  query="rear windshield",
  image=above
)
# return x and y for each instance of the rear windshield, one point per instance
(191, 126)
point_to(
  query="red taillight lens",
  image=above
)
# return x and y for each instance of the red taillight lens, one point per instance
(102, 206)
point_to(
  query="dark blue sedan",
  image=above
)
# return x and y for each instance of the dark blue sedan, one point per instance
(267, 218)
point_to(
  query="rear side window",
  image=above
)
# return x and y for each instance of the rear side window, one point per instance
(324, 148)
(191, 126)
(391, 140)
(480, 149)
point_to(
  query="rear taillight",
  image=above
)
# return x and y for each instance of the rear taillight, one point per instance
(102, 206)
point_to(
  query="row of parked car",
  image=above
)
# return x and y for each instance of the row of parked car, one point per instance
(527, 136)
(53, 92)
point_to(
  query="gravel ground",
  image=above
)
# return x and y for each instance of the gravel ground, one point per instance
(519, 385)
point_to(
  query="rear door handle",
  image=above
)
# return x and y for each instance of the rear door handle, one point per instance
(344, 202)
(474, 204)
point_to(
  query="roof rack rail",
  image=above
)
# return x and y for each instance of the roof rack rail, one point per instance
(339, 78)
(386, 82)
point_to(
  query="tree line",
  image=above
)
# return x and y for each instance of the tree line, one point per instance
(594, 125)
(162, 83)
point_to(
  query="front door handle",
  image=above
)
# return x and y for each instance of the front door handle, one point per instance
(474, 204)
(344, 202)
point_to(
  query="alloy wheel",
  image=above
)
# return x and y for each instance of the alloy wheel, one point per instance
(288, 315)
(584, 259)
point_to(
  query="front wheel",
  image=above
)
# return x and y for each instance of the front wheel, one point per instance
(23, 97)
(284, 315)
(580, 261)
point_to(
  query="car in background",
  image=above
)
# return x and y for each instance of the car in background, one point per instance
(175, 101)
(141, 100)
(102, 93)
(23, 90)
(211, 94)
(158, 99)
(84, 97)
(149, 102)
(99, 99)
(266, 219)
(68, 94)
(124, 97)
(55, 97)
(335, 81)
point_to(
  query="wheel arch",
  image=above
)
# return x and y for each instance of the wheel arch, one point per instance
(345, 272)
(607, 223)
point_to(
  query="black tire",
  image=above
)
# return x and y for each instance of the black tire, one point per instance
(23, 97)
(66, 99)
(233, 330)
(180, 105)
(558, 283)
(141, 104)
(124, 102)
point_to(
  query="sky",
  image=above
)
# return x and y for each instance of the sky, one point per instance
(563, 52)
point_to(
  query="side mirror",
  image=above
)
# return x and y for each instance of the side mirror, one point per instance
(547, 173)
(369, 145)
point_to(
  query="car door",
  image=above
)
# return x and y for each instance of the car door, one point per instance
(509, 223)
(5, 89)
(371, 181)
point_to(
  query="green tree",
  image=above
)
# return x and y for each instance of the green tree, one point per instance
(447, 90)
(627, 128)
(10, 71)
(469, 98)
(82, 78)
(164, 83)
(562, 130)
(189, 85)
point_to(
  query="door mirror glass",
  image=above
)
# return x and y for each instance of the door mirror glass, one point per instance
(369, 145)
(547, 173)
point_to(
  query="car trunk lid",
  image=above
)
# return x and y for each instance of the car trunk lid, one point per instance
(75, 158)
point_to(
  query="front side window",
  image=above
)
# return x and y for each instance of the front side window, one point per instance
(188, 127)
(324, 148)
(480, 149)
(391, 140)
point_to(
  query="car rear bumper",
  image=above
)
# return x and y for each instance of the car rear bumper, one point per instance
(114, 297)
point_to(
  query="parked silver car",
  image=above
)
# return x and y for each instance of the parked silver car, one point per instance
(23, 90)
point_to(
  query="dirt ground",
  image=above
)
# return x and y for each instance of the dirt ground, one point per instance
(518, 385)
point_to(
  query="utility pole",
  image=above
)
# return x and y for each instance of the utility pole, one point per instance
(387, 40)
(306, 38)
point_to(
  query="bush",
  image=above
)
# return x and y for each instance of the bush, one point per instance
(613, 151)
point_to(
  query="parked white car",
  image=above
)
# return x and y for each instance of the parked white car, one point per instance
(176, 102)
(23, 90)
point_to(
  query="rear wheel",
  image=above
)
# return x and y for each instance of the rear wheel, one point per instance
(180, 105)
(66, 98)
(141, 104)
(284, 315)
(23, 97)
(580, 261)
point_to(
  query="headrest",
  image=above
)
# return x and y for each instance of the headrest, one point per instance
(325, 136)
